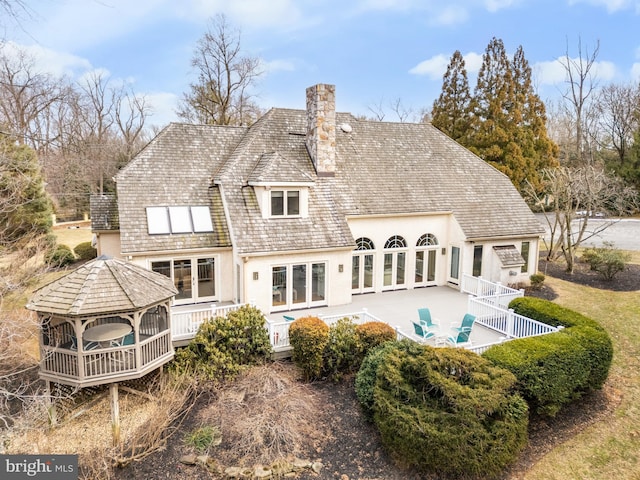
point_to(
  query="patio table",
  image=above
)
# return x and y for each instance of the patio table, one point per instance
(104, 334)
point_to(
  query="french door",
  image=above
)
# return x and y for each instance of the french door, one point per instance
(394, 270)
(362, 273)
(299, 285)
(425, 273)
(194, 278)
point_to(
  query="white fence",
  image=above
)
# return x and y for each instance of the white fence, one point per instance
(496, 293)
(279, 331)
(185, 323)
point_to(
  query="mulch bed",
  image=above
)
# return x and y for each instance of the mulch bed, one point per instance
(354, 450)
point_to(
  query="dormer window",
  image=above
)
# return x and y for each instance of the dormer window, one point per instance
(285, 203)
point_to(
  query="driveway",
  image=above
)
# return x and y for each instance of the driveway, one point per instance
(623, 233)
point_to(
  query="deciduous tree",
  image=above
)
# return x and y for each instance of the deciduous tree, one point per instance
(222, 93)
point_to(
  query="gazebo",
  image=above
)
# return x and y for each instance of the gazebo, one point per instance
(107, 321)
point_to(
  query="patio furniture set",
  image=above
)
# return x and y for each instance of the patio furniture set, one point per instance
(457, 336)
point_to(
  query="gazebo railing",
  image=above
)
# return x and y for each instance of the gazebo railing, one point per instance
(103, 364)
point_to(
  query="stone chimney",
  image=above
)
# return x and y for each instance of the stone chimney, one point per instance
(321, 128)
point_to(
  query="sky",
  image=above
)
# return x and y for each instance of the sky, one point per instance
(376, 52)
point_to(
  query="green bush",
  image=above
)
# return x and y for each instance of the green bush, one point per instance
(366, 377)
(448, 411)
(372, 334)
(555, 369)
(309, 337)
(59, 256)
(224, 346)
(607, 261)
(342, 353)
(537, 279)
(85, 251)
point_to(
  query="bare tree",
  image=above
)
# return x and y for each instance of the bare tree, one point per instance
(618, 107)
(581, 85)
(222, 94)
(572, 196)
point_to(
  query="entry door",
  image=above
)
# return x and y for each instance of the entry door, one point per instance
(454, 267)
(298, 286)
(362, 273)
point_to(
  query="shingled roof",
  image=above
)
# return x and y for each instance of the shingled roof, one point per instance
(381, 168)
(104, 285)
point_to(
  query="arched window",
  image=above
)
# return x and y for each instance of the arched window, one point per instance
(427, 240)
(396, 242)
(364, 243)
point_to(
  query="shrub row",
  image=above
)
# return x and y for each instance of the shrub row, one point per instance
(224, 346)
(555, 369)
(320, 350)
(443, 410)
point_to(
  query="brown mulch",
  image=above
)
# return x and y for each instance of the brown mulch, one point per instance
(349, 447)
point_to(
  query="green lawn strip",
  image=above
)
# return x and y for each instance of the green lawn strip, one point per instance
(609, 448)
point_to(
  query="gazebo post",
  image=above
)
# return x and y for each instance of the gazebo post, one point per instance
(115, 414)
(51, 406)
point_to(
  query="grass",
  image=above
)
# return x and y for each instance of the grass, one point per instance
(71, 237)
(608, 448)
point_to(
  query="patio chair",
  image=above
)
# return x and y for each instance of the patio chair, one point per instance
(288, 318)
(460, 338)
(425, 319)
(422, 332)
(467, 322)
(86, 345)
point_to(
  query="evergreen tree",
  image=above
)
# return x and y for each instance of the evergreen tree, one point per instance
(25, 210)
(450, 112)
(529, 117)
(509, 119)
(492, 105)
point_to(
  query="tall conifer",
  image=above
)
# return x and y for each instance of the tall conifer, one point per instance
(450, 112)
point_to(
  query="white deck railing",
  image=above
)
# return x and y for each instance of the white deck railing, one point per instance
(506, 322)
(279, 331)
(185, 323)
(495, 292)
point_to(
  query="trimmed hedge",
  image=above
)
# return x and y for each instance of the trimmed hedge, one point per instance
(555, 369)
(309, 337)
(85, 251)
(59, 256)
(372, 334)
(224, 346)
(444, 410)
(342, 352)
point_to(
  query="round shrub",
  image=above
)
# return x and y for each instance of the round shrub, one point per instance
(372, 334)
(224, 346)
(366, 377)
(309, 337)
(448, 411)
(555, 369)
(341, 354)
(85, 251)
(59, 256)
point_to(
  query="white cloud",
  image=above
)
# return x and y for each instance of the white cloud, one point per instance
(611, 5)
(163, 108)
(554, 72)
(635, 72)
(435, 67)
(495, 5)
(49, 61)
(450, 15)
(255, 13)
(279, 65)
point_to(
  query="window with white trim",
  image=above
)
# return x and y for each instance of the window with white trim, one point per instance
(285, 203)
(179, 219)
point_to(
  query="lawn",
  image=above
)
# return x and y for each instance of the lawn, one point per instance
(609, 448)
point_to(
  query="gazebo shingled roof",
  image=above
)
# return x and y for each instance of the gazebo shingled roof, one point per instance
(104, 285)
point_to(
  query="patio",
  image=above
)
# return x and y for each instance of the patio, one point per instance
(399, 308)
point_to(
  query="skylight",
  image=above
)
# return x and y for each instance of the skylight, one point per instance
(181, 219)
